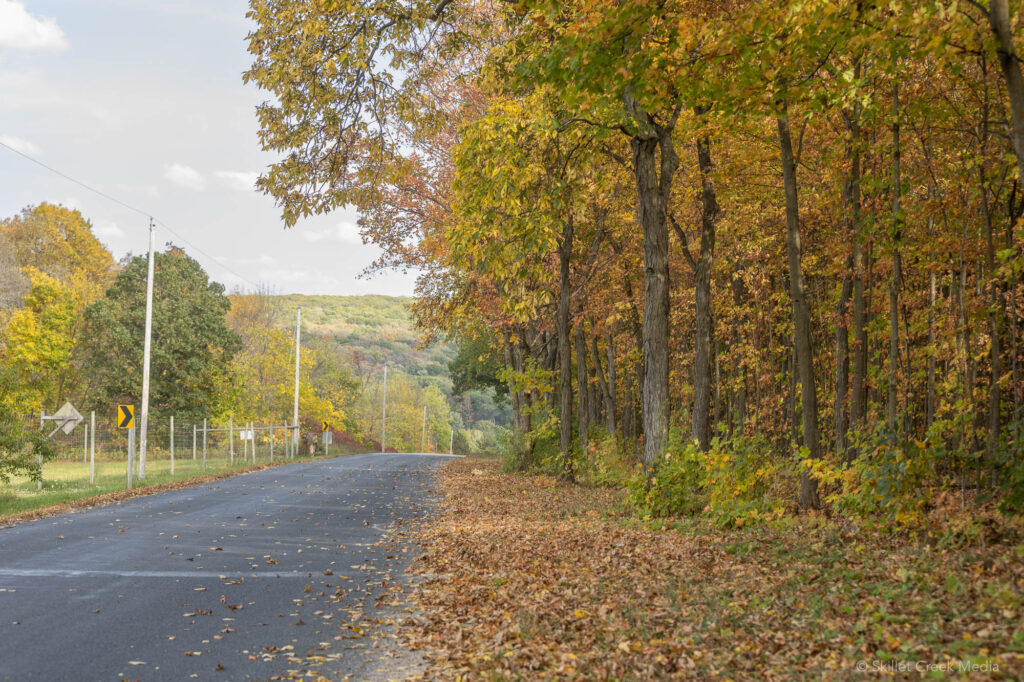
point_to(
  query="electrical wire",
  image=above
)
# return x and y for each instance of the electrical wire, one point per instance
(130, 208)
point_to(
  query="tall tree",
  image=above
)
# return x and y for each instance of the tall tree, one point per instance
(192, 342)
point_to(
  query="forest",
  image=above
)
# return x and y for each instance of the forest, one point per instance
(740, 257)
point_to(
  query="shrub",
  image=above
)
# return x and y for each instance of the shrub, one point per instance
(730, 482)
(605, 463)
(890, 479)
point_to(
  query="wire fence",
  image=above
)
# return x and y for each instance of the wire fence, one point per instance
(94, 456)
(188, 440)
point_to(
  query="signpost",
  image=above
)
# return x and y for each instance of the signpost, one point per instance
(126, 420)
(328, 436)
(67, 418)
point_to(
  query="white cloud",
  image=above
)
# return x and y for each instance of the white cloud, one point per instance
(345, 232)
(106, 229)
(20, 30)
(245, 261)
(185, 176)
(241, 180)
(18, 144)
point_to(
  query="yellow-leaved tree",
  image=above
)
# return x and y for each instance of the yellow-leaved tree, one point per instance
(39, 340)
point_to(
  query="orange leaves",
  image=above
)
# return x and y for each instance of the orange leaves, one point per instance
(527, 578)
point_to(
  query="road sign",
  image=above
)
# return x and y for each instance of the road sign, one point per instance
(324, 426)
(125, 416)
(69, 415)
(245, 434)
(328, 437)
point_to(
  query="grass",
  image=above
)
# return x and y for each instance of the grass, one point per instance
(67, 481)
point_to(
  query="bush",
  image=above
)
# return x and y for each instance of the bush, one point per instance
(891, 478)
(730, 482)
(1012, 477)
(605, 463)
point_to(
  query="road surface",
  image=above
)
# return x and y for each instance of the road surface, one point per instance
(259, 576)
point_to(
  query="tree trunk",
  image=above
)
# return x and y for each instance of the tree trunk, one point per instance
(999, 19)
(653, 185)
(583, 430)
(842, 363)
(610, 406)
(858, 388)
(628, 411)
(897, 265)
(801, 313)
(932, 296)
(702, 288)
(551, 365)
(594, 401)
(845, 411)
(564, 351)
(521, 419)
(514, 394)
(995, 328)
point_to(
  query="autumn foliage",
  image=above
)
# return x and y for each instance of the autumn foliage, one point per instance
(783, 229)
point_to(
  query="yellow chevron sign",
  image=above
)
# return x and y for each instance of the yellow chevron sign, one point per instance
(125, 416)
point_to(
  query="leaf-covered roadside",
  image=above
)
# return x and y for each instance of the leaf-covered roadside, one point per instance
(525, 577)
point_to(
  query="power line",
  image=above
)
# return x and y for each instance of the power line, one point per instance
(117, 201)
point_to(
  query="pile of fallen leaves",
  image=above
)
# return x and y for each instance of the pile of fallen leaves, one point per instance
(526, 577)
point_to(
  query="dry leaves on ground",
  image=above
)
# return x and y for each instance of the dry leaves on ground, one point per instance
(525, 577)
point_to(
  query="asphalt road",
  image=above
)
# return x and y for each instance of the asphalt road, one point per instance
(261, 576)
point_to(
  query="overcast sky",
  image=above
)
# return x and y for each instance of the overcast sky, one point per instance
(143, 100)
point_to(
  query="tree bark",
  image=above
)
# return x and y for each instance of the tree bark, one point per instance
(897, 264)
(583, 429)
(995, 328)
(702, 288)
(858, 386)
(801, 312)
(842, 364)
(653, 185)
(564, 351)
(932, 299)
(610, 406)
(999, 19)
(521, 418)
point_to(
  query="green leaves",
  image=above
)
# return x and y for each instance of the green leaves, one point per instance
(192, 344)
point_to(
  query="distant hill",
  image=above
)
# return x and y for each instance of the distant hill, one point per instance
(369, 330)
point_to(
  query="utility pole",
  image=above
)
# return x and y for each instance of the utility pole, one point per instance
(295, 412)
(147, 346)
(423, 447)
(384, 410)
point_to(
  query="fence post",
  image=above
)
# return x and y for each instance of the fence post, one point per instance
(204, 442)
(85, 445)
(252, 431)
(172, 445)
(39, 483)
(271, 441)
(92, 448)
(231, 438)
(193, 441)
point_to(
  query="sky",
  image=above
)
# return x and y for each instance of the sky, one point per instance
(143, 100)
